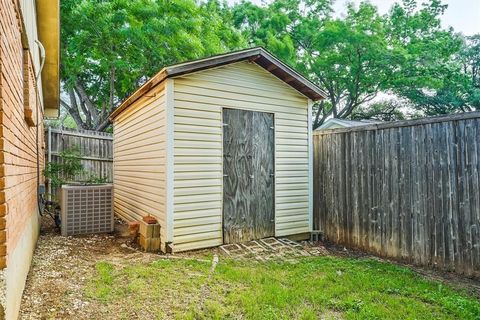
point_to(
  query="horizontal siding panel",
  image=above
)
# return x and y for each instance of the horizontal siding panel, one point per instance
(198, 206)
(286, 230)
(133, 198)
(197, 244)
(292, 199)
(181, 167)
(147, 117)
(285, 162)
(179, 199)
(289, 220)
(183, 92)
(144, 115)
(230, 87)
(142, 105)
(139, 210)
(197, 229)
(139, 160)
(144, 154)
(128, 175)
(197, 114)
(290, 135)
(197, 175)
(291, 192)
(194, 214)
(197, 121)
(287, 173)
(198, 137)
(194, 237)
(200, 221)
(197, 183)
(198, 129)
(198, 144)
(197, 152)
(242, 82)
(148, 140)
(153, 169)
(154, 161)
(153, 187)
(291, 142)
(217, 102)
(197, 160)
(296, 148)
(198, 191)
(287, 187)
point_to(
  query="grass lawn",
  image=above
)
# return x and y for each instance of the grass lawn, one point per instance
(313, 288)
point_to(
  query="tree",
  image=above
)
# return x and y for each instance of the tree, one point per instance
(110, 47)
(430, 67)
(355, 57)
(459, 89)
(349, 57)
(392, 109)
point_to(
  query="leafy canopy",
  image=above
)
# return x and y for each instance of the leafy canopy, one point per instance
(110, 47)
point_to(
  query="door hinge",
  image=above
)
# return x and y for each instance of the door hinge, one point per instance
(272, 174)
(225, 124)
(273, 128)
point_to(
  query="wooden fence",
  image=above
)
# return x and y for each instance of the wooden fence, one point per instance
(96, 150)
(408, 190)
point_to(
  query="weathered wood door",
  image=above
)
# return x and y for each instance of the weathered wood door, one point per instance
(248, 175)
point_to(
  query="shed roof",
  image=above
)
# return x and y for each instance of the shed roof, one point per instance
(258, 55)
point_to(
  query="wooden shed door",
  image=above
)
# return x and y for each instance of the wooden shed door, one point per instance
(248, 171)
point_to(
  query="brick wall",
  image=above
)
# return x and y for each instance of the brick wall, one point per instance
(18, 148)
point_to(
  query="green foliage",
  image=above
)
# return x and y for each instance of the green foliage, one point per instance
(110, 47)
(386, 110)
(65, 171)
(69, 169)
(311, 288)
(355, 57)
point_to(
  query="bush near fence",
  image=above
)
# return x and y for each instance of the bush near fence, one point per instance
(408, 190)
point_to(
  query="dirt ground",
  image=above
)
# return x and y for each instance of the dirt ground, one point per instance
(62, 266)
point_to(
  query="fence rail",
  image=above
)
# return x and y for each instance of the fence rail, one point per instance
(96, 150)
(408, 190)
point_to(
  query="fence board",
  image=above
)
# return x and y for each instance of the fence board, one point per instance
(408, 190)
(96, 150)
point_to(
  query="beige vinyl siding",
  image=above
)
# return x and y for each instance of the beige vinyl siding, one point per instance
(198, 170)
(139, 153)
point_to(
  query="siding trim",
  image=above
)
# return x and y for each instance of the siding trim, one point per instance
(170, 173)
(310, 166)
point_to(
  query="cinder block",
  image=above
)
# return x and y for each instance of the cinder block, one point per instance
(149, 244)
(156, 231)
(146, 230)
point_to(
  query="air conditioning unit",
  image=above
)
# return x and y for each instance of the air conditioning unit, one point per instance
(86, 209)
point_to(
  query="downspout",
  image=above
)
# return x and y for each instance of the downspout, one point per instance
(37, 77)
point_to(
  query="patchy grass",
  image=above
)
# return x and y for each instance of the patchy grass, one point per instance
(312, 288)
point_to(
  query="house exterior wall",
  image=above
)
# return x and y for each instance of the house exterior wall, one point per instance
(139, 159)
(19, 222)
(198, 168)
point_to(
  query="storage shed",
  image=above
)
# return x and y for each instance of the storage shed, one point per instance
(219, 150)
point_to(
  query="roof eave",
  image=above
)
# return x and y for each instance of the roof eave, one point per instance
(48, 23)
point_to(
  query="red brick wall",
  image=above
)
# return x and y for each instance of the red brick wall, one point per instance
(18, 149)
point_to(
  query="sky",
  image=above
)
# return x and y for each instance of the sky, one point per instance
(462, 15)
